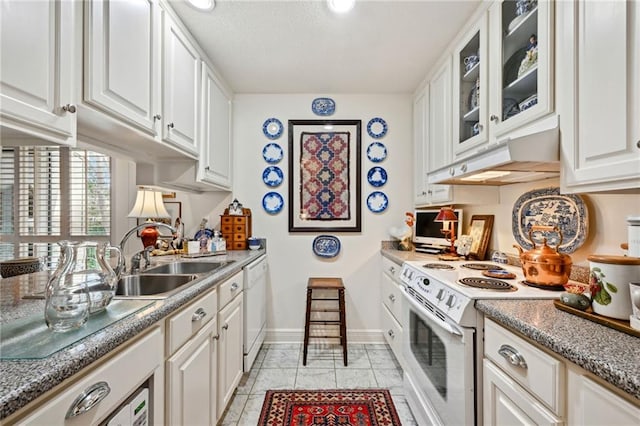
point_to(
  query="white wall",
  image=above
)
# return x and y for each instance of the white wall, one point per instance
(291, 258)
(607, 224)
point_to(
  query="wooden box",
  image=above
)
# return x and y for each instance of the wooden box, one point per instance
(236, 229)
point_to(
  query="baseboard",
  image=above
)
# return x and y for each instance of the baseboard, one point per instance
(297, 336)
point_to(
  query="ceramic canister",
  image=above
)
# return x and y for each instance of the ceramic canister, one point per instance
(609, 280)
(633, 227)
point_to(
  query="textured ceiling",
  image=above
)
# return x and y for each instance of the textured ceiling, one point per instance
(300, 47)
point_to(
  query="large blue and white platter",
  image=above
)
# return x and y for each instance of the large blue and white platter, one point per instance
(326, 246)
(376, 152)
(323, 106)
(272, 128)
(272, 153)
(377, 128)
(377, 202)
(272, 202)
(548, 207)
(272, 176)
(377, 176)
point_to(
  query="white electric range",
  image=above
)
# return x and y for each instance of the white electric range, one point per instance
(443, 338)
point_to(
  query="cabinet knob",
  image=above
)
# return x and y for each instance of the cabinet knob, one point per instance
(88, 399)
(463, 168)
(423, 193)
(392, 269)
(391, 334)
(512, 356)
(225, 326)
(638, 144)
(157, 117)
(392, 298)
(216, 337)
(494, 117)
(170, 125)
(452, 171)
(208, 168)
(69, 108)
(198, 315)
(234, 286)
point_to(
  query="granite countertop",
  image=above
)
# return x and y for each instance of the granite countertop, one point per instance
(609, 354)
(22, 381)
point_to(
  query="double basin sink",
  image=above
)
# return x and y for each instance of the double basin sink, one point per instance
(164, 280)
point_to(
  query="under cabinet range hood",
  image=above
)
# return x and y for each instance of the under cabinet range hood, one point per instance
(180, 175)
(528, 155)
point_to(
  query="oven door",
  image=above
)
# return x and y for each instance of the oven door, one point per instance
(439, 356)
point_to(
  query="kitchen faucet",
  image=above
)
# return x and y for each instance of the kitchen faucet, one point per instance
(136, 257)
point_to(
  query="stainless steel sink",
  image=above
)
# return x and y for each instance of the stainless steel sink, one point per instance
(186, 267)
(152, 286)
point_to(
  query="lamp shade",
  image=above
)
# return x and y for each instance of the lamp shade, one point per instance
(446, 214)
(149, 204)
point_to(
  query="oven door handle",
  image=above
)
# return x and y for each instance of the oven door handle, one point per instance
(423, 311)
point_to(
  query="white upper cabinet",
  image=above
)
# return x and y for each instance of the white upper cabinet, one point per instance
(599, 100)
(122, 69)
(420, 113)
(36, 69)
(181, 88)
(214, 165)
(439, 122)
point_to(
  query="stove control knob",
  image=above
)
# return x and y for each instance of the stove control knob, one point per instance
(451, 300)
(425, 281)
(441, 294)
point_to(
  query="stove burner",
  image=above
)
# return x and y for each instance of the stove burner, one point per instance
(482, 266)
(487, 284)
(543, 287)
(437, 266)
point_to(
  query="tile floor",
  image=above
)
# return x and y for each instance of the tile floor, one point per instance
(279, 366)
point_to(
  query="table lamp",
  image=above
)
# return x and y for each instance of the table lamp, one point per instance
(149, 205)
(446, 216)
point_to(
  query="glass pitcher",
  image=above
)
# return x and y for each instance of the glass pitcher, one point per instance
(82, 264)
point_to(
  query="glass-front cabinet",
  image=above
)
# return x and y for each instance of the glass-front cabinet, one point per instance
(502, 73)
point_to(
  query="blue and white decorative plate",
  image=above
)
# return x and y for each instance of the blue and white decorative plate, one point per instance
(548, 208)
(272, 202)
(272, 153)
(377, 202)
(272, 176)
(323, 106)
(377, 128)
(376, 152)
(377, 176)
(272, 128)
(326, 246)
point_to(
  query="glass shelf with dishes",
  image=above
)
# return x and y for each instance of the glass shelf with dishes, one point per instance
(468, 60)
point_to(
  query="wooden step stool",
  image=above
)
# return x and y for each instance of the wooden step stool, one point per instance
(326, 284)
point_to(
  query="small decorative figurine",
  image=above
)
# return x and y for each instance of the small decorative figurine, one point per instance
(404, 233)
(235, 208)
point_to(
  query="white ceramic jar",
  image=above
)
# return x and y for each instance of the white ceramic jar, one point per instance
(609, 279)
(633, 239)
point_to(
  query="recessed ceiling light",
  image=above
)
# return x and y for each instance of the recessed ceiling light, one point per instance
(341, 6)
(204, 5)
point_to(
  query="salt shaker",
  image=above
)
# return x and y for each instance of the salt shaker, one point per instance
(633, 239)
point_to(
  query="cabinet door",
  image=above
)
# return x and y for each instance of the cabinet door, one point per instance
(230, 351)
(420, 114)
(181, 84)
(121, 64)
(191, 380)
(470, 89)
(215, 153)
(518, 71)
(439, 123)
(506, 403)
(36, 69)
(600, 95)
(593, 404)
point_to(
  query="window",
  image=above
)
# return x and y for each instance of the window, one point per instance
(50, 194)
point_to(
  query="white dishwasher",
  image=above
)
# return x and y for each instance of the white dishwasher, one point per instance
(255, 309)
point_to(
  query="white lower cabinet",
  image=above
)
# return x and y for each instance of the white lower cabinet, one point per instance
(192, 379)
(118, 377)
(230, 351)
(392, 304)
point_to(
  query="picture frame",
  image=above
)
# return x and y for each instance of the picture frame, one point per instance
(480, 229)
(175, 210)
(325, 175)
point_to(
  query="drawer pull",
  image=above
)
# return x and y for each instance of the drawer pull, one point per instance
(512, 356)
(392, 270)
(225, 326)
(392, 298)
(391, 334)
(198, 315)
(234, 286)
(88, 399)
(216, 337)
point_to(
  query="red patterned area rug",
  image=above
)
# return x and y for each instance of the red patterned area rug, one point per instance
(351, 407)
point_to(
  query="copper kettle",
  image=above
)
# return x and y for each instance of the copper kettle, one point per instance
(544, 266)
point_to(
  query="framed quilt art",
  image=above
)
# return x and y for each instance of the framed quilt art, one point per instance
(324, 175)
